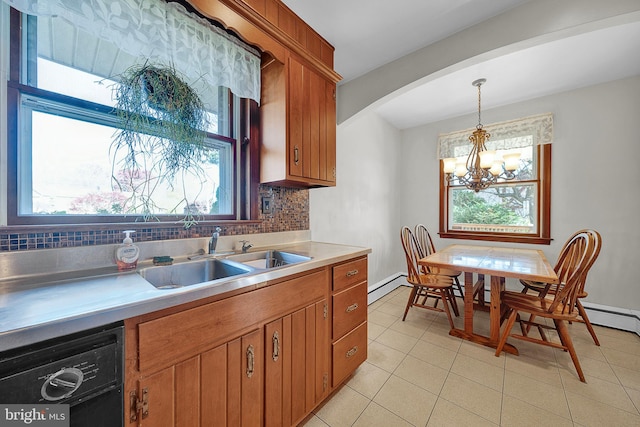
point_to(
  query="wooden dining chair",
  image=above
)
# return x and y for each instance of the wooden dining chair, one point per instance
(557, 304)
(428, 285)
(542, 289)
(426, 247)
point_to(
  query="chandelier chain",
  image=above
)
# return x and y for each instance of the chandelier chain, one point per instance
(479, 120)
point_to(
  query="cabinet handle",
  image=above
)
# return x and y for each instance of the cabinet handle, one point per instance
(352, 307)
(352, 352)
(276, 346)
(352, 273)
(296, 157)
(250, 361)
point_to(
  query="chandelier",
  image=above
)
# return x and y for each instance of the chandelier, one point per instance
(483, 167)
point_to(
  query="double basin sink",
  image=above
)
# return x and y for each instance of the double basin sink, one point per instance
(210, 269)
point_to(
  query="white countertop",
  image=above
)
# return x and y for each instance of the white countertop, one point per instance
(37, 308)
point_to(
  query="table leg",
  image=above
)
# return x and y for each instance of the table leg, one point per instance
(468, 302)
(497, 285)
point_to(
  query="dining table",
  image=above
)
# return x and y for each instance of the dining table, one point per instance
(498, 263)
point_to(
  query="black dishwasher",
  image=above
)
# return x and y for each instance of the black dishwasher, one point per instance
(83, 370)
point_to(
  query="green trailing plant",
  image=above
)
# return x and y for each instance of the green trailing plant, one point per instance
(161, 137)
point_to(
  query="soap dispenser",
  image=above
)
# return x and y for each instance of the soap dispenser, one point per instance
(127, 253)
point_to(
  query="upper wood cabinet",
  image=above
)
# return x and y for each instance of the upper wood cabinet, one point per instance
(298, 126)
(298, 100)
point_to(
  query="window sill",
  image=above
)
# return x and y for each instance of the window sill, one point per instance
(511, 238)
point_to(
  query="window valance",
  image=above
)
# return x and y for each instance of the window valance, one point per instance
(154, 30)
(518, 133)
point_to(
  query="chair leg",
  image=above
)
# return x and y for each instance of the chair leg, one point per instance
(507, 331)
(583, 314)
(566, 341)
(412, 297)
(458, 286)
(443, 297)
(452, 300)
(533, 316)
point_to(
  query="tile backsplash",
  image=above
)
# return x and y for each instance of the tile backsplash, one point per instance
(290, 213)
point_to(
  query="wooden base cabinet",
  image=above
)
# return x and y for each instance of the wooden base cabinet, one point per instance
(254, 359)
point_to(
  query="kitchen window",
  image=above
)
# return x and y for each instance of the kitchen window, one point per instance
(61, 123)
(516, 210)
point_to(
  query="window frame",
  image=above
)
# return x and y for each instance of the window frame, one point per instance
(243, 137)
(543, 234)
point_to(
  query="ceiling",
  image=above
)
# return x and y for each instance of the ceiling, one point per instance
(367, 34)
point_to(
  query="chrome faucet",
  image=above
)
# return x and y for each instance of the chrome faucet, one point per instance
(214, 240)
(245, 246)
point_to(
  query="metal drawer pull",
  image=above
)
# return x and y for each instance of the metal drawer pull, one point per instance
(353, 351)
(250, 360)
(296, 157)
(352, 273)
(352, 307)
(276, 346)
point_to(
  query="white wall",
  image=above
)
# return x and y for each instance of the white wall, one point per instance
(595, 183)
(365, 206)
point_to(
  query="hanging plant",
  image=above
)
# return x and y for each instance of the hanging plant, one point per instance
(162, 135)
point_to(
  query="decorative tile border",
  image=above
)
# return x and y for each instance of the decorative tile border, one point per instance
(290, 213)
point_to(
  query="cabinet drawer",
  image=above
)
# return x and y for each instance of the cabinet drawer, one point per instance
(349, 309)
(348, 353)
(350, 273)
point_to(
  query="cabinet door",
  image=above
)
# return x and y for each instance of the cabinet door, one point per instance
(296, 364)
(312, 124)
(158, 393)
(232, 383)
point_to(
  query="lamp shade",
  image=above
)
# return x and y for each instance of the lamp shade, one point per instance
(496, 168)
(512, 160)
(449, 164)
(486, 158)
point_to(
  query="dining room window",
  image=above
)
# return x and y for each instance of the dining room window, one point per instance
(65, 68)
(513, 210)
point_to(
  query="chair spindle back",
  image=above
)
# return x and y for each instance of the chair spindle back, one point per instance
(573, 263)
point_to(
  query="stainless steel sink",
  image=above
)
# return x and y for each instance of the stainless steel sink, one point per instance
(268, 259)
(191, 273)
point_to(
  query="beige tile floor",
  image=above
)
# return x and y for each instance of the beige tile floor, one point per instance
(418, 375)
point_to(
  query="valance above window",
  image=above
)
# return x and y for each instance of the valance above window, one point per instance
(519, 133)
(151, 30)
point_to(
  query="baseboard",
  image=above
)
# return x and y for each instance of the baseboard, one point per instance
(602, 315)
(388, 285)
(613, 317)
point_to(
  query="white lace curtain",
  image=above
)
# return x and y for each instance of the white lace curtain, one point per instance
(519, 133)
(157, 31)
